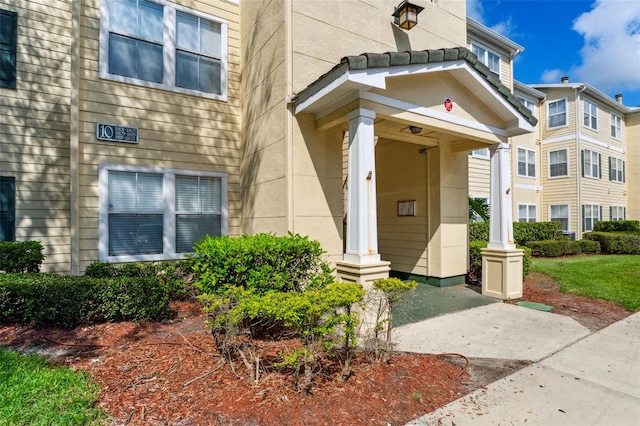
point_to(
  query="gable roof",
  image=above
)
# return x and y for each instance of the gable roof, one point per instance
(414, 57)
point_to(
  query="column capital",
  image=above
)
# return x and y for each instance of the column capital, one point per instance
(361, 112)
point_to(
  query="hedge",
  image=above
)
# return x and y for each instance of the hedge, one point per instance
(523, 232)
(475, 260)
(617, 226)
(616, 242)
(20, 256)
(47, 299)
(556, 248)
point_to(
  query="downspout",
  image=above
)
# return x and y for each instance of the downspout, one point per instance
(578, 161)
(74, 139)
(288, 58)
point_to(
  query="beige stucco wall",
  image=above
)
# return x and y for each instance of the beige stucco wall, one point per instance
(631, 135)
(34, 129)
(175, 130)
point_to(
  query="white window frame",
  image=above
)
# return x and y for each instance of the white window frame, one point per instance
(482, 153)
(169, 51)
(528, 217)
(565, 113)
(617, 170)
(568, 214)
(616, 126)
(591, 159)
(526, 162)
(589, 114)
(485, 57)
(617, 213)
(588, 220)
(169, 211)
(531, 106)
(566, 150)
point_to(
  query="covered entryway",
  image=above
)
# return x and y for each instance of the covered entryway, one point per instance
(411, 117)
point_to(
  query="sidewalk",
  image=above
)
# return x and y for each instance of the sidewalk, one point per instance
(577, 377)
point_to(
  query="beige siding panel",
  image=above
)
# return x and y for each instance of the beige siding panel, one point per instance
(479, 177)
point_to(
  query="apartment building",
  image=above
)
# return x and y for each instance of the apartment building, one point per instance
(131, 128)
(579, 165)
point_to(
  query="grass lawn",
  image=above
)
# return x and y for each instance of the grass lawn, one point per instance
(32, 392)
(607, 277)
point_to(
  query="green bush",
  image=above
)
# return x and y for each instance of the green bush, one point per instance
(176, 276)
(20, 256)
(261, 263)
(616, 242)
(475, 260)
(617, 226)
(44, 299)
(523, 232)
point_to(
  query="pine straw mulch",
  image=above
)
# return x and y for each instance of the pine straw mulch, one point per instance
(169, 373)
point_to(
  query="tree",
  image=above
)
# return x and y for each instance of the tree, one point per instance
(478, 210)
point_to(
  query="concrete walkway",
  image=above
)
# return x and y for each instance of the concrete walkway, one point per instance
(577, 377)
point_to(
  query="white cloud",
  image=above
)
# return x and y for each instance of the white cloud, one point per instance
(552, 76)
(505, 28)
(474, 10)
(611, 51)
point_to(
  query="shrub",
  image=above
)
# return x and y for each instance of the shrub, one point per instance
(616, 242)
(617, 226)
(479, 231)
(176, 276)
(523, 232)
(475, 260)
(20, 256)
(44, 299)
(261, 262)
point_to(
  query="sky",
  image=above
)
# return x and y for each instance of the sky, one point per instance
(594, 41)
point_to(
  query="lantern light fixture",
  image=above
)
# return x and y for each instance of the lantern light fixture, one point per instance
(406, 15)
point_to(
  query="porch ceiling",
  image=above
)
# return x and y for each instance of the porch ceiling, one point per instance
(375, 81)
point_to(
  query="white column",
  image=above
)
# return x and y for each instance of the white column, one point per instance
(500, 207)
(362, 227)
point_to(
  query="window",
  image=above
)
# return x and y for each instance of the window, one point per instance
(591, 213)
(528, 103)
(8, 48)
(558, 163)
(618, 213)
(7, 208)
(487, 57)
(590, 114)
(163, 45)
(148, 213)
(480, 153)
(526, 212)
(560, 213)
(557, 113)
(526, 162)
(616, 170)
(616, 126)
(591, 164)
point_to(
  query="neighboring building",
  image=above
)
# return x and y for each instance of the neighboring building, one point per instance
(131, 128)
(575, 167)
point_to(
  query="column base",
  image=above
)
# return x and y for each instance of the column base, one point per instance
(502, 273)
(362, 273)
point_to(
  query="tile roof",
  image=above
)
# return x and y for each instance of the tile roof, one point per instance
(413, 57)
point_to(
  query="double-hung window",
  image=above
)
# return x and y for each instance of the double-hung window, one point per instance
(591, 163)
(149, 213)
(616, 170)
(526, 212)
(557, 113)
(8, 48)
(616, 126)
(480, 153)
(560, 213)
(527, 103)
(526, 162)
(590, 114)
(487, 57)
(591, 213)
(163, 45)
(559, 163)
(618, 213)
